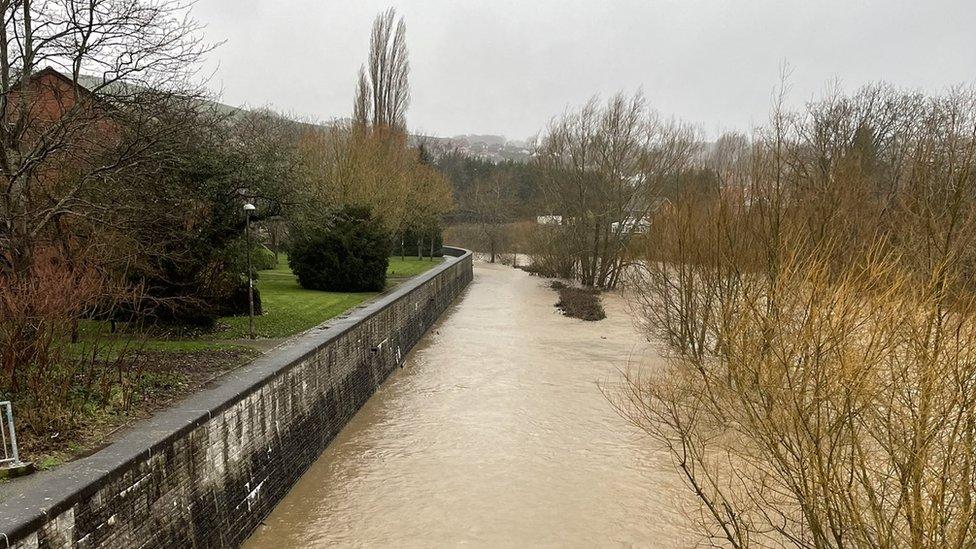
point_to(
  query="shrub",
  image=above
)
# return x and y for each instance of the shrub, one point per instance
(262, 259)
(582, 303)
(347, 251)
(234, 302)
(39, 313)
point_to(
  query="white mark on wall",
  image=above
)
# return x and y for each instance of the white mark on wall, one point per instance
(133, 486)
(252, 495)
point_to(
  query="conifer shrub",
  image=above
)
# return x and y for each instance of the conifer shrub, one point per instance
(346, 250)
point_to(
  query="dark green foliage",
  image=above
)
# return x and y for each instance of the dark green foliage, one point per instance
(234, 303)
(347, 251)
(411, 237)
(196, 260)
(438, 242)
(465, 171)
(262, 259)
(193, 253)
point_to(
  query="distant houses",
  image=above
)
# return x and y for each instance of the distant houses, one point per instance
(637, 221)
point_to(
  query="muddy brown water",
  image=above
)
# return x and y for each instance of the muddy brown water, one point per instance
(495, 434)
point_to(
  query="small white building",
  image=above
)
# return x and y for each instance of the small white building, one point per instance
(630, 226)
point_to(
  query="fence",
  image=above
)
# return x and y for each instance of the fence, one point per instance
(8, 436)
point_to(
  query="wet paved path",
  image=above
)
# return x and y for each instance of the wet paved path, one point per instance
(495, 433)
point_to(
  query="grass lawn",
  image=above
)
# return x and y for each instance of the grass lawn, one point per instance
(409, 266)
(289, 308)
(165, 366)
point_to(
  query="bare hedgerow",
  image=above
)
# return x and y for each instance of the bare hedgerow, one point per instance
(56, 384)
(820, 325)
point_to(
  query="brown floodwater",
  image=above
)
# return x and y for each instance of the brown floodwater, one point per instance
(495, 433)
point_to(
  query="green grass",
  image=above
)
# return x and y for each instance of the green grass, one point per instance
(410, 266)
(107, 348)
(94, 337)
(288, 308)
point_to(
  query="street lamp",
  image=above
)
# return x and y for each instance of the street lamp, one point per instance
(248, 208)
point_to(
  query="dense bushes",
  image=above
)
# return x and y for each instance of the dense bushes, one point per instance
(235, 302)
(190, 256)
(345, 251)
(582, 303)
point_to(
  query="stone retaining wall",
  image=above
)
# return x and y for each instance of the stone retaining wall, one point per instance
(206, 472)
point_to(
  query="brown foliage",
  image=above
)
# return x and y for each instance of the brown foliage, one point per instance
(818, 315)
(39, 312)
(375, 168)
(581, 303)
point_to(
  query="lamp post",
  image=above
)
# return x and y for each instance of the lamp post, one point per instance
(248, 208)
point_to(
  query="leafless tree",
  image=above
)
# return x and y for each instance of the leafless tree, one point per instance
(493, 204)
(70, 129)
(820, 328)
(351, 164)
(602, 170)
(383, 89)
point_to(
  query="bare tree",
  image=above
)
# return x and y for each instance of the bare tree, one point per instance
(352, 165)
(383, 89)
(602, 170)
(821, 329)
(493, 204)
(70, 129)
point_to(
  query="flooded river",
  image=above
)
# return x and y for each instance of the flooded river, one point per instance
(495, 433)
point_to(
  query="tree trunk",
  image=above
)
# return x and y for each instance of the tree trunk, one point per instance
(274, 241)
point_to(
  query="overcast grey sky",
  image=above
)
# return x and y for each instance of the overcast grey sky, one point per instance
(508, 66)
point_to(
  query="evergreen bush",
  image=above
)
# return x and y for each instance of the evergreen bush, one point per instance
(346, 251)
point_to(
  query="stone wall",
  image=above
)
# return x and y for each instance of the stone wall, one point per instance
(206, 472)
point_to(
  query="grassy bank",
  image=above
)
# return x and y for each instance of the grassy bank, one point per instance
(290, 309)
(287, 307)
(147, 370)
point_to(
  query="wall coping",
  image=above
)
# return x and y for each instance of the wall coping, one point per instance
(46, 497)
